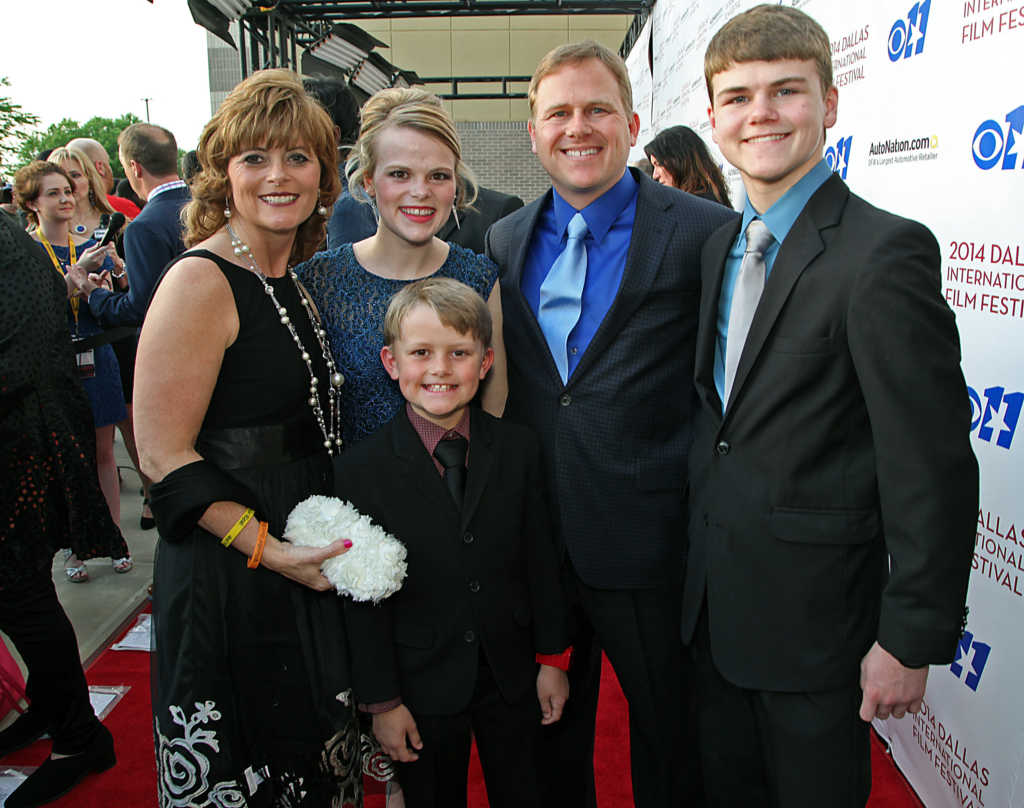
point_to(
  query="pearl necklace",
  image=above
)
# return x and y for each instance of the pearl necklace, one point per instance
(330, 427)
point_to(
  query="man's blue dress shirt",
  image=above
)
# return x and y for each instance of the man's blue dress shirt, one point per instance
(609, 231)
(779, 219)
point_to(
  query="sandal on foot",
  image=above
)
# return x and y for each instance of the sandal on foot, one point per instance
(76, 573)
(122, 564)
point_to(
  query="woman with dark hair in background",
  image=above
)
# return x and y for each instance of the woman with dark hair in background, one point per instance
(681, 160)
(236, 403)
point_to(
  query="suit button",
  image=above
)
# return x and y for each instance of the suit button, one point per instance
(474, 586)
(723, 447)
(467, 538)
(706, 521)
(565, 400)
(469, 636)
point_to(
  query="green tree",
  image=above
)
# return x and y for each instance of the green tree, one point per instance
(15, 126)
(105, 130)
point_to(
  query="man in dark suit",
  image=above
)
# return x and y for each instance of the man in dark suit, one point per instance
(456, 648)
(149, 156)
(471, 226)
(609, 390)
(833, 488)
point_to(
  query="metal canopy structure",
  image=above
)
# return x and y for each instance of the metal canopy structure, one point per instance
(313, 10)
(277, 33)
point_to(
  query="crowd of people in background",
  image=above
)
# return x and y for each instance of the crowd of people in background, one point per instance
(623, 420)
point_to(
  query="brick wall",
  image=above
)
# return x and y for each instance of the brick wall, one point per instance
(499, 154)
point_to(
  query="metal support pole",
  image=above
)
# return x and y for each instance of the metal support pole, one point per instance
(241, 50)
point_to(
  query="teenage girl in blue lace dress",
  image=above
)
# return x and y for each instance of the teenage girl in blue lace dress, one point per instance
(408, 164)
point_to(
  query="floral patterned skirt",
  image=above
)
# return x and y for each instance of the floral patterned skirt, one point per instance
(251, 699)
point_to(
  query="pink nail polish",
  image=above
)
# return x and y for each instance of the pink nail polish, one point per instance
(347, 543)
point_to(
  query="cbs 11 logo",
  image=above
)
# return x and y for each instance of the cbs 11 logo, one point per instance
(971, 656)
(838, 157)
(996, 399)
(906, 37)
(992, 144)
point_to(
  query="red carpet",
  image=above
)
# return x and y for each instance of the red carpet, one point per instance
(132, 783)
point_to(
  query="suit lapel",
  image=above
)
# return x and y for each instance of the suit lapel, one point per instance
(712, 265)
(481, 456)
(651, 230)
(512, 292)
(801, 246)
(418, 470)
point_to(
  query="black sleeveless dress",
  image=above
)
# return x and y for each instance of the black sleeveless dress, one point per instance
(251, 696)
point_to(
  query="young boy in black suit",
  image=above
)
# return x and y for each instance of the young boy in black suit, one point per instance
(456, 650)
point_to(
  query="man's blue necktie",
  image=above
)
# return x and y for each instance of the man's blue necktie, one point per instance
(561, 294)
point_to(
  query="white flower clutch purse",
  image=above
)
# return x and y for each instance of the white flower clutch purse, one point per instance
(374, 566)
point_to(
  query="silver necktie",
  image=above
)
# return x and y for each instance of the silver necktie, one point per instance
(745, 296)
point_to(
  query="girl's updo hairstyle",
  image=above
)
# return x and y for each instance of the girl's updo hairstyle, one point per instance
(270, 109)
(28, 182)
(97, 190)
(413, 108)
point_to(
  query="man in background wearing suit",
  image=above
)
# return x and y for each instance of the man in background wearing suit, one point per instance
(600, 290)
(149, 156)
(834, 491)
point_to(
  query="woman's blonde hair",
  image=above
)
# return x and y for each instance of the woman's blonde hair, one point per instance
(415, 109)
(270, 109)
(97, 190)
(28, 182)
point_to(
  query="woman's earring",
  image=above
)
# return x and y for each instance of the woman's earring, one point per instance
(455, 210)
(322, 211)
(227, 209)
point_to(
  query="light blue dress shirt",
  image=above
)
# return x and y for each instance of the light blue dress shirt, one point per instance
(609, 231)
(779, 218)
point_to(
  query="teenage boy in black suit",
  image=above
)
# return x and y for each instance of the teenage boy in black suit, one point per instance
(456, 649)
(834, 491)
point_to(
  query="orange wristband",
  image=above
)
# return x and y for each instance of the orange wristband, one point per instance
(257, 551)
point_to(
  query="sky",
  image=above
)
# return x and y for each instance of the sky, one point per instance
(81, 58)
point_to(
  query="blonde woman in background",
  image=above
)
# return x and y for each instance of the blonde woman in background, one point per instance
(92, 210)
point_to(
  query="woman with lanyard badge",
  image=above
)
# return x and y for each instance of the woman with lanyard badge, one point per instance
(44, 191)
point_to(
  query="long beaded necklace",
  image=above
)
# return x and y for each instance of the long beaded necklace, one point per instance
(330, 426)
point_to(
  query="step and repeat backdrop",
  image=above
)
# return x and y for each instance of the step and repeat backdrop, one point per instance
(930, 126)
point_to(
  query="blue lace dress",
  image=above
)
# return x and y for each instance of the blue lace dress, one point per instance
(352, 302)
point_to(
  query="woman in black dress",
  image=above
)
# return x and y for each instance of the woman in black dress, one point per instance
(50, 498)
(236, 409)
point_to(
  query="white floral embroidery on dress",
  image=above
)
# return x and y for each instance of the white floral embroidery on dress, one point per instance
(183, 770)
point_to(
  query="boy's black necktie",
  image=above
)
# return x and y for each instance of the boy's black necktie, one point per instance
(451, 453)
